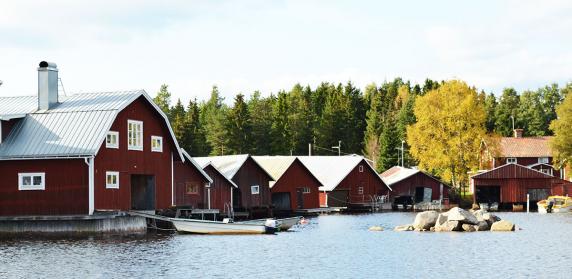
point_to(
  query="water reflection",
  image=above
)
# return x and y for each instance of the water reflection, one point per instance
(336, 246)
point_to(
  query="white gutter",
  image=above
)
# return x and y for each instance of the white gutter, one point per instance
(91, 185)
(172, 182)
(209, 196)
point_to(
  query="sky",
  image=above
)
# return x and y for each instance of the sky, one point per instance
(243, 46)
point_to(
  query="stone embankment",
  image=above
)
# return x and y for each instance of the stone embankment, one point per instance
(457, 220)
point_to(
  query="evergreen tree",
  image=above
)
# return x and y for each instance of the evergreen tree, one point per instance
(506, 108)
(531, 114)
(389, 142)
(374, 121)
(195, 140)
(281, 135)
(300, 119)
(490, 108)
(213, 115)
(550, 98)
(178, 121)
(405, 118)
(261, 118)
(239, 127)
(163, 99)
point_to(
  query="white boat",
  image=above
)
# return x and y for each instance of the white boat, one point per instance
(284, 224)
(555, 204)
(215, 227)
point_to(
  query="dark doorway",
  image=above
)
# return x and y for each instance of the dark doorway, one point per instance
(488, 194)
(143, 192)
(236, 198)
(300, 198)
(281, 201)
(338, 198)
(538, 194)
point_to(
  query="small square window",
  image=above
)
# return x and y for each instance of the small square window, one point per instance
(31, 181)
(112, 180)
(255, 189)
(112, 139)
(156, 144)
(543, 160)
(360, 168)
(360, 190)
(305, 190)
(192, 188)
(511, 160)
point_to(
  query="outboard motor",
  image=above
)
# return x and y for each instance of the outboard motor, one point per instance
(271, 226)
(549, 206)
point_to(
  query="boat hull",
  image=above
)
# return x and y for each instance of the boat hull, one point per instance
(284, 224)
(561, 205)
(210, 227)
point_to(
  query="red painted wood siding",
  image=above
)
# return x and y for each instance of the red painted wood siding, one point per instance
(295, 177)
(514, 190)
(186, 173)
(66, 188)
(407, 186)
(525, 161)
(252, 174)
(130, 162)
(368, 179)
(221, 189)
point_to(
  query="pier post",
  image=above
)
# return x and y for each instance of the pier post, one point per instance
(527, 203)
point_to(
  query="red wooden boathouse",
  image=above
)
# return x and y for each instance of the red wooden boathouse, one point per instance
(348, 181)
(293, 186)
(75, 155)
(221, 189)
(416, 184)
(192, 184)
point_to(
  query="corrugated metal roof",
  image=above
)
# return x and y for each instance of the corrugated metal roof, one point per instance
(331, 170)
(228, 165)
(196, 165)
(75, 127)
(17, 105)
(205, 163)
(397, 173)
(276, 166)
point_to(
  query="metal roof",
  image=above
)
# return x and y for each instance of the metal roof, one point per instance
(75, 127)
(276, 166)
(205, 163)
(17, 106)
(331, 170)
(196, 165)
(398, 173)
(228, 165)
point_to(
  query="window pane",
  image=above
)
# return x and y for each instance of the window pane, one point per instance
(27, 180)
(37, 180)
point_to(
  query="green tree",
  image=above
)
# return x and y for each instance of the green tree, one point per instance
(506, 108)
(389, 142)
(213, 115)
(195, 139)
(531, 114)
(261, 117)
(280, 136)
(300, 119)
(550, 97)
(239, 127)
(178, 120)
(163, 99)
(374, 121)
(490, 108)
(562, 128)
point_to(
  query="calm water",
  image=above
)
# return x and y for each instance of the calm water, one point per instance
(335, 246)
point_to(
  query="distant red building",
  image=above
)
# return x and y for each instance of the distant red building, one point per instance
(348, 181)
(192, 184)
(418, 185)
(293, 186)
(85, 153)
(221, 189)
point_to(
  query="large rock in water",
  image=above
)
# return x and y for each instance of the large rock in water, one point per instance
(461, 215)
(403, 228)
(479, 214)
(482, 226)
(468, 227)
(425, 220)
(449, 226)
(502, 226)
(490, 218)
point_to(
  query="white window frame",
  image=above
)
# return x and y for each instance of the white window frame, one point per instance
(360, 190)
(160, 147)
(511, 160)
(255, 189)
(31, 187)
(138, 146)
(112, 185)
(547, 171)
(360, 168)
(543, 160)
(112, 134)
(306, 190)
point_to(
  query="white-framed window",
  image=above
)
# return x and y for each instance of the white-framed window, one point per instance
(156, 144)
(546, 171)
(32, 181)
(306, 190)
(511, 160)
(112, 139)
(360, 190)
(543, 160)
(112, 180)
(360, 168)
(135, 135)
(255, 189)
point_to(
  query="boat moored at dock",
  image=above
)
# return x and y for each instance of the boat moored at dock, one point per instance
(216, 227)
(555, 204)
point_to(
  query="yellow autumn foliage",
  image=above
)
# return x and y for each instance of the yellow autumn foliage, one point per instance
(561, 143)
(449, 130)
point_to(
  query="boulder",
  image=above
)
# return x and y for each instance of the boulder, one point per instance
(441, 219)
(403, 228)
(479, 214)
(425, 220)
(461, 215)
(490, 218)
(482, 226)
(449, 226)
(468, 227)
(502, 226)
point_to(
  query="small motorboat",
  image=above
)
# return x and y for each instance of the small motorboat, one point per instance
(283, 224)
(555, 204)
(225, 227)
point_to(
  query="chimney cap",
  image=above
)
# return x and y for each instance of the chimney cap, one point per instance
(45, 64)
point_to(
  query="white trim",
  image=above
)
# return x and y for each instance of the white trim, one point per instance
(304, 190)
(187, 156)
(157, 148)
(360, 190)
(32, 186)
(208, 185)
(253, 191)
(511, 159)
(138, 145)
(90, 184)
(173, 182)
(110, 145)
(360, 168)
(112, 185)
(1, 131)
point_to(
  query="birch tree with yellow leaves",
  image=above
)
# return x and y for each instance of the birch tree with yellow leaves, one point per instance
(562, 128)
(449, 129)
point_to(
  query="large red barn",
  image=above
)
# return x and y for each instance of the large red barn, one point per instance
(76, 155)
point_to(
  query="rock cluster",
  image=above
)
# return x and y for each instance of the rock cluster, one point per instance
(457, 220)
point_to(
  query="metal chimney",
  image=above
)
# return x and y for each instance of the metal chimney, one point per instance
(47, 85)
